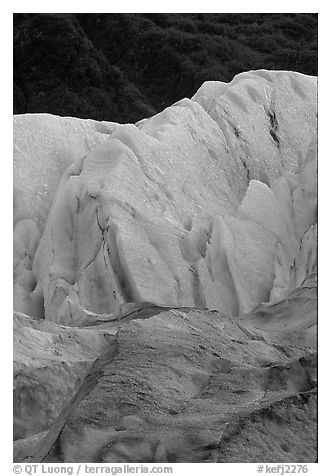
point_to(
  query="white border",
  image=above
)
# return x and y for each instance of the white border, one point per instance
(324, 187)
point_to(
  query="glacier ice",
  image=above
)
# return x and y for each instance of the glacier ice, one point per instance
(44, 146)
(210, 203)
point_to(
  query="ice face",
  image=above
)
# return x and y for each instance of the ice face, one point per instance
(44, 146)
(267, 117)
(210, 203)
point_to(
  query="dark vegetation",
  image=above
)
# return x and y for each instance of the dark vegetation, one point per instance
(123, 67)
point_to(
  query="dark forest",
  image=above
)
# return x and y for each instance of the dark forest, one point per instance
(124, 67)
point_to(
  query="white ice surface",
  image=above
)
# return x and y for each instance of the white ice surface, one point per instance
(196, 206)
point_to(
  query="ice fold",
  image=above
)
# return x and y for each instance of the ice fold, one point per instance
(210, 203)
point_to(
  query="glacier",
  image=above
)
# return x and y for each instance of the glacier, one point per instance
(165, 279)
(210, 203)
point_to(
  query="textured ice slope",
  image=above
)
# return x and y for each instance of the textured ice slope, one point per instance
(210, 203)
